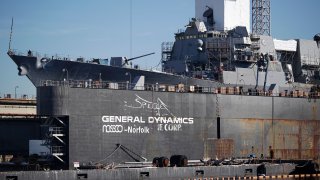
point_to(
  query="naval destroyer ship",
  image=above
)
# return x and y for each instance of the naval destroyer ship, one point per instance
(214, 48)
(223, 92)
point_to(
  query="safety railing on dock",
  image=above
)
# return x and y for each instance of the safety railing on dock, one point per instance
(18, 96)
(180, 88)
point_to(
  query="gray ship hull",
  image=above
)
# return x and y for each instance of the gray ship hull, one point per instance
(52, 70)
(153, 124)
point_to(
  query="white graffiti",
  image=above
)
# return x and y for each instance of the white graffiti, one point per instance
(159, 107)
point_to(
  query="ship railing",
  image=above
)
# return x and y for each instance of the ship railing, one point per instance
(18, 96)
(57, 149)
(56, 130)
(42, 55)
(25, 53)
(180, 88)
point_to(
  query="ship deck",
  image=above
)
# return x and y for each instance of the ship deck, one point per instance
(182, 88)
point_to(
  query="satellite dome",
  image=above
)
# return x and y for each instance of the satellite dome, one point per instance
(199, 43)
(317, 37)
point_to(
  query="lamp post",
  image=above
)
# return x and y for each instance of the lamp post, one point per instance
(66, 70)
(15, 91)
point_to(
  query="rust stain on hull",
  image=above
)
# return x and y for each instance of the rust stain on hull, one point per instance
(221, 148)
(290, 139)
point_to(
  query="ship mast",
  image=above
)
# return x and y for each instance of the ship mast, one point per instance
(10, 35)
(261, 21)
(130, 28)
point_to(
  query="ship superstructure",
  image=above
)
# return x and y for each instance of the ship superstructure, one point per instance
(214, 47)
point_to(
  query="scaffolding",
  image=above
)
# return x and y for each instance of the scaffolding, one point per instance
(55, 137)
(261, 19)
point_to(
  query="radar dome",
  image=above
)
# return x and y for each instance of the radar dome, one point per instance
(317, 37)
(199, 43)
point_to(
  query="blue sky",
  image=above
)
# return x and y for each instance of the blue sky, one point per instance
(101, 29)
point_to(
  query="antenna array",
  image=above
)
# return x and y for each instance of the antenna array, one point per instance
(261, 20)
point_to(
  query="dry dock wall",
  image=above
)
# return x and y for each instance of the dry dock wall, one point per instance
(152, 173)
(165, 123)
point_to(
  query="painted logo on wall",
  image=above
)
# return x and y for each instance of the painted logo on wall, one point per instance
(158, 118)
